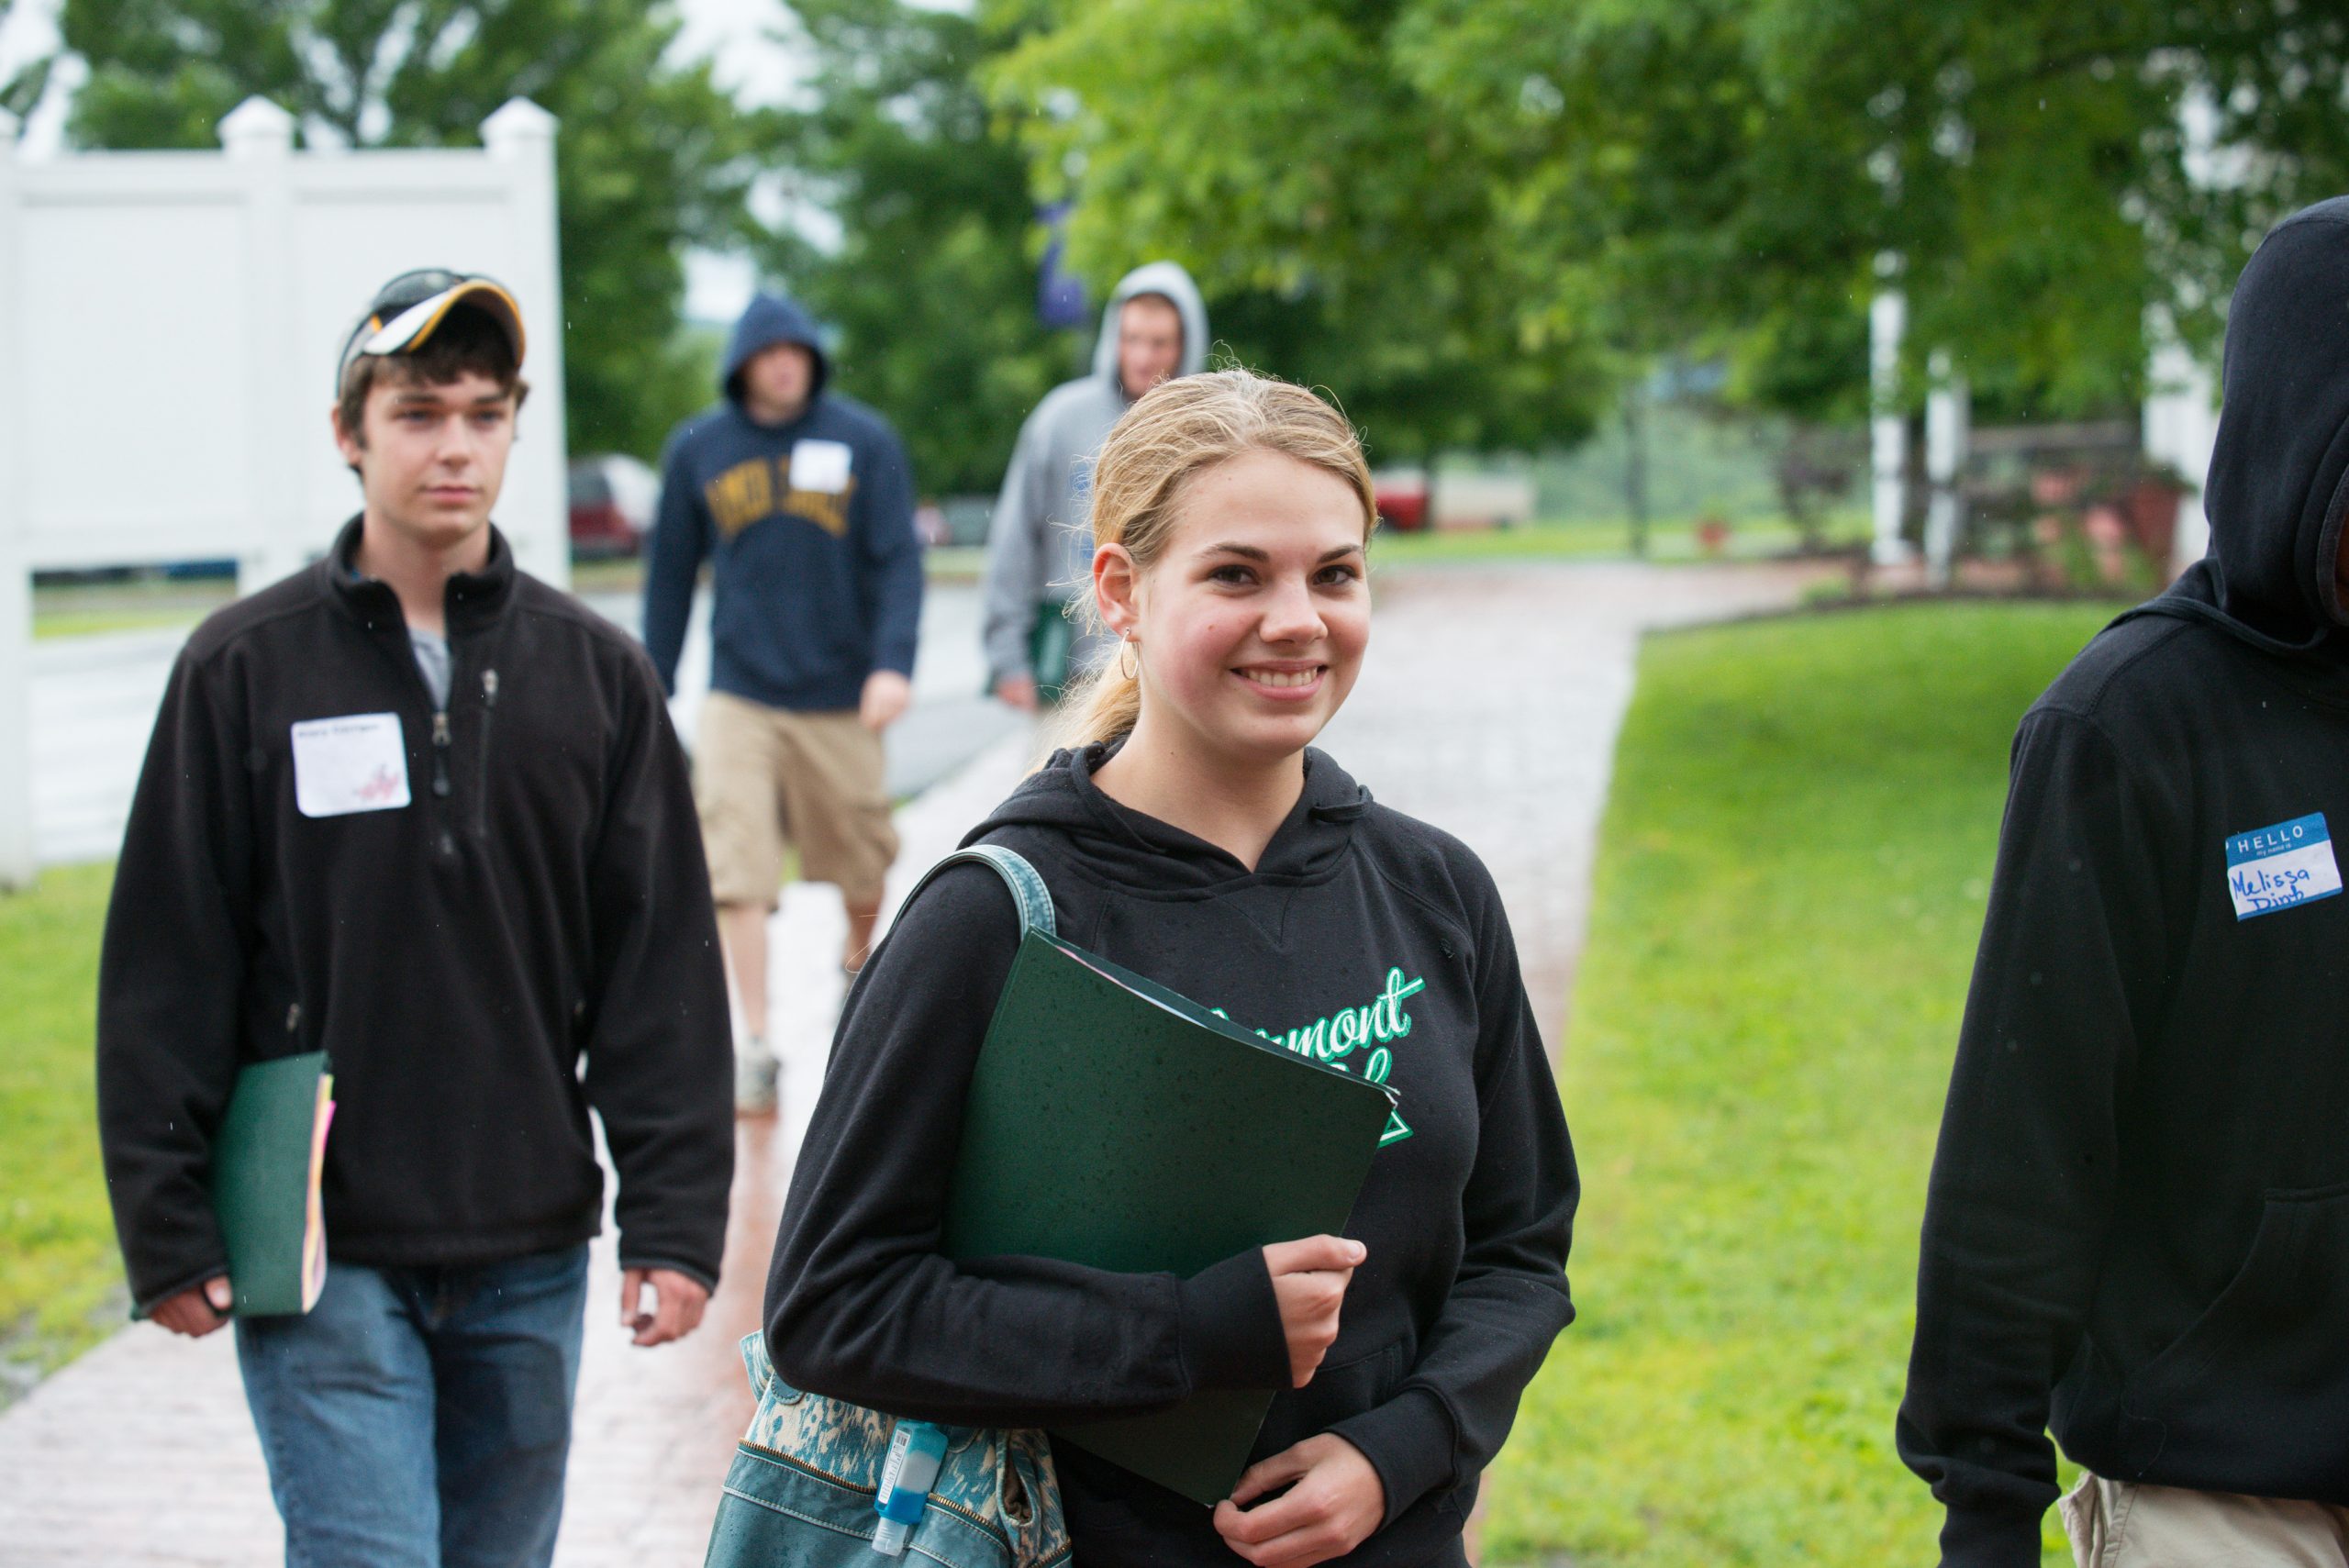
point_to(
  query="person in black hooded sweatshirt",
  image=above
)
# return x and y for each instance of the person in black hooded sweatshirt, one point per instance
(2137, 1230)
(1190, 835)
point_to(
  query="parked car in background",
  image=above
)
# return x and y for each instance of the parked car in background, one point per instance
(612, 500)
(1402, 497)
(1411, 500)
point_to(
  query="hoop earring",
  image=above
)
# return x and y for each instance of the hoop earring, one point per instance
(1125, 646)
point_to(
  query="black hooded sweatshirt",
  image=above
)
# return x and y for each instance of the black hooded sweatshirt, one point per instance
(1466, 1215)
(2138, 1223)
(540, 897)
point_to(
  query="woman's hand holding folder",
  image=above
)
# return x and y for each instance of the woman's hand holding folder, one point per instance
(1309, 1280)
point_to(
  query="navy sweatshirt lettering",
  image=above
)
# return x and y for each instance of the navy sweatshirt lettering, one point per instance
(816, 569)
(2137, 1231)
(1354, 911)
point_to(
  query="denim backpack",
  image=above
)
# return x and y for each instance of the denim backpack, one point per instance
(801, 1489)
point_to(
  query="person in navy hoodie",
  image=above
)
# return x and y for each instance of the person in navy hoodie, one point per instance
(804, 500)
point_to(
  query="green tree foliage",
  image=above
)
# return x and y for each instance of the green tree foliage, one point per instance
(645, 161)
(1329, 206)
(931, 287)
(1717, 175)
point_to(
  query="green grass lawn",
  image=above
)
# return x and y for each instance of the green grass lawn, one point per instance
(94, 623)
(60, 1276)
(1791, 879)
(147, 604)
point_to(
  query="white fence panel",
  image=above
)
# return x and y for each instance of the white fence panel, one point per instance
(169, 323)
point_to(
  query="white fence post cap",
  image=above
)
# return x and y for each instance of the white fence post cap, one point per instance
(257, 129)
(518, 124)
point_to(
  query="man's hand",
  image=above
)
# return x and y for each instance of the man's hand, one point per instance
(1338, 1500)
(1017, 691)
(198, 1310)
(1309, 1280)
(677, 1303)
(886, 692)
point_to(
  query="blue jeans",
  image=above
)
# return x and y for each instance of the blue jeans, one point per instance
(419, 1418)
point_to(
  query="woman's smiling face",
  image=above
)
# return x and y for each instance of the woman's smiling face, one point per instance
(1251, 622)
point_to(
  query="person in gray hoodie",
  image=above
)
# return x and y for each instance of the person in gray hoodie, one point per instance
(1040, 549)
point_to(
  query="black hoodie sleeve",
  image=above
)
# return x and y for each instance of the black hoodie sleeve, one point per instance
(1509, 1299)
(2066, 980)
(660, 1057)
(171, 986)
(862, 1305)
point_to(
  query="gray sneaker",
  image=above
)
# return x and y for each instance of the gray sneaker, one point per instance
(755, 1074)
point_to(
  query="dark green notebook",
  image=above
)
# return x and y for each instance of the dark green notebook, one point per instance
(266, 1161)
(1116, 1124)
(1048, 650)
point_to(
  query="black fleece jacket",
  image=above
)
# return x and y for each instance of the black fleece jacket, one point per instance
(2138, 1223)
(1467, 1213)
(541, 897)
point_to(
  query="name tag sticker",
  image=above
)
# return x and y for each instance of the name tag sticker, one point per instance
(2277, 868)
(819, 466)
(357, 762)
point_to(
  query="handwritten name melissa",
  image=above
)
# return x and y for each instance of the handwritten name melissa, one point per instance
(2264, 889)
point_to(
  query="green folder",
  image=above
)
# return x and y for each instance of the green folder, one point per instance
(266, 1163)
(1114, 1123)
(1049, 645)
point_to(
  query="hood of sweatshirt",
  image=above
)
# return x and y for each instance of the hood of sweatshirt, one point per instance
(1126, 849)
(769, 320)
(1169, 280)
(2279, 471)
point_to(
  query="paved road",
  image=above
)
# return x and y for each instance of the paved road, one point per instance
(94, 701)
(1490, 706)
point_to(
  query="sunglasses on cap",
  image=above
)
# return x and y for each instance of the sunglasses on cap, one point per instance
(406, 311)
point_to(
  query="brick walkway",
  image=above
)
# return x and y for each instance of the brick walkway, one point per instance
(1489, 706)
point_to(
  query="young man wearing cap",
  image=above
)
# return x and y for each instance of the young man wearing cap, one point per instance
(415, 809)
(804, 498)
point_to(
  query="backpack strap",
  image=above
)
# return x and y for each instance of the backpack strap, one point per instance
(1028, 890)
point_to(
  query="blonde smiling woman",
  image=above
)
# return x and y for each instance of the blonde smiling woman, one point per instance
(1188, 833)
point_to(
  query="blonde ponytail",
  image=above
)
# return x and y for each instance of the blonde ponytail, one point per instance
(1173, 432)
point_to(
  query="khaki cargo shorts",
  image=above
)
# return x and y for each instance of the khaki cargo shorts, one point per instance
(765, 778)
(2119, 1524)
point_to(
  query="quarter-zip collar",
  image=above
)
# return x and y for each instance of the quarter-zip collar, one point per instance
(471, 600)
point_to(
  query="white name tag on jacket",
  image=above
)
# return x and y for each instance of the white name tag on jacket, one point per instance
(2279, 867)
(819, 466)
(357, 762)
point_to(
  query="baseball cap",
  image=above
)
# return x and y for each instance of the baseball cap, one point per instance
(406, 311)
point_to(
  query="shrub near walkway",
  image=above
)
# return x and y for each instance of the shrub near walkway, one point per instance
(60, 1276)
(1791, 878)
